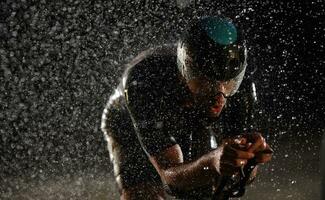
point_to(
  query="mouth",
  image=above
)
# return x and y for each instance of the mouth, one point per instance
(216, 109)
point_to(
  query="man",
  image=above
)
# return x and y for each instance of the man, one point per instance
(158, 123)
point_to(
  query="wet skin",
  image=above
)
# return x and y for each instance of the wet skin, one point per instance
(208, 96)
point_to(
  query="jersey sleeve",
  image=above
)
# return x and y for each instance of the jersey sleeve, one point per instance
(150, 108)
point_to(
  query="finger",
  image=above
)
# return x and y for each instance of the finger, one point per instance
(242, 143)
(240, 140)
(267, 149)
(235, 140)
(252, 137)
(264, 155)
(235, 162)
(238, 162)
(258, 143)
(242, 147)
(235, 153)
(263, 158)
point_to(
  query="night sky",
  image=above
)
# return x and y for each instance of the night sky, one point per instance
(60, 62)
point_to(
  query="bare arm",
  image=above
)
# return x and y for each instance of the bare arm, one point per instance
(203, 171)
(174, 172)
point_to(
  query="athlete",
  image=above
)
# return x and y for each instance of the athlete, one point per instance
(159, 123)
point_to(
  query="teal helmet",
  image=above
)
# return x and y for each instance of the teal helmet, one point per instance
(213, 48)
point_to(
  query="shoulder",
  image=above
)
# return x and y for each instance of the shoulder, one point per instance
(154, 80)
(152, 70)
(151, 67)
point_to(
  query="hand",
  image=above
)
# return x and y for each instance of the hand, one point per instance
(235, 152)
(255, 143)
(231, 156)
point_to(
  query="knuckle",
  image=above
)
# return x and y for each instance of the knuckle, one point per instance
(264, 158)
(260, 137)
(257, 135)
(239, 162)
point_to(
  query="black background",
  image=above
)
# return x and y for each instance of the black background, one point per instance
(61, 60)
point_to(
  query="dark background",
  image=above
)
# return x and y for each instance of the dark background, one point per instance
(61, 60)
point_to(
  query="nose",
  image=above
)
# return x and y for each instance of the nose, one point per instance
(220, 98)
(220, 93)
(220, 87)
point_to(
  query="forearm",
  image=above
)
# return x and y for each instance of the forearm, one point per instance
(190, 175)
(186, 176)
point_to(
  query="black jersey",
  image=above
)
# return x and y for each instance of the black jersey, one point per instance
(156, 96)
